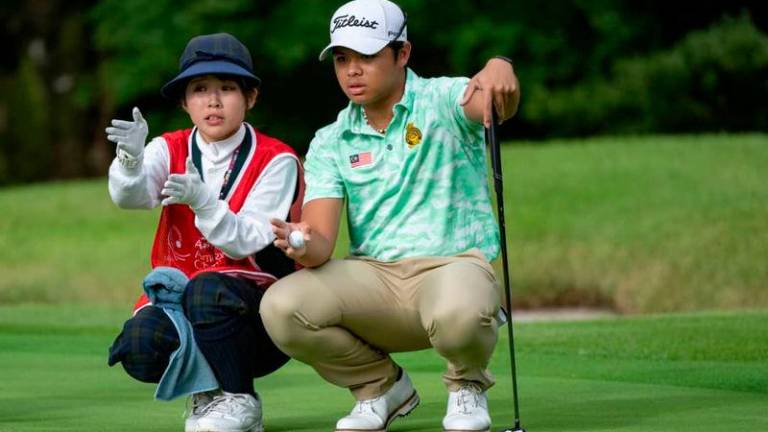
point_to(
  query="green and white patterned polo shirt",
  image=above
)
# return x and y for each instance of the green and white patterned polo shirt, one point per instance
(419, 190)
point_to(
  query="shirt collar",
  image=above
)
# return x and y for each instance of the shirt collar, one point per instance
(354, 121)
(218, 151)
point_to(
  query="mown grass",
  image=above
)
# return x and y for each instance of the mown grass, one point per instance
(643, 224)
(670, 373)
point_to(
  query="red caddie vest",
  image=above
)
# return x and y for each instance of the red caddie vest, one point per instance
(179, 244)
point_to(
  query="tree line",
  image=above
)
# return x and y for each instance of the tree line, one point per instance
(586, 67)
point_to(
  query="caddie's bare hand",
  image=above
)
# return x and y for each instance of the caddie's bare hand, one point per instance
(188, 188)
(498, 87)
(294, 247)
(130, 136)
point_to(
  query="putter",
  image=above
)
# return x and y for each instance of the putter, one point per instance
(490, 137)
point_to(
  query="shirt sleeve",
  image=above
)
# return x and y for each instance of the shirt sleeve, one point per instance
(139, 187)
(450, 92)
(241, 234)
(321, 173)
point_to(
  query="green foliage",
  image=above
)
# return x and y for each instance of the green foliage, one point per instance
(143, 40)
(585, 67)
(27, 150)
(715, 79)
(6, 87)
(598, 66)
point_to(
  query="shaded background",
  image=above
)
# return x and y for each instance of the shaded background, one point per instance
(634, 171)
(586, 67)
(635, 181)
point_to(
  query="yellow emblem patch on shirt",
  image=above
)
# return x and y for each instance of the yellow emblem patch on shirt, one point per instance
(412, 135)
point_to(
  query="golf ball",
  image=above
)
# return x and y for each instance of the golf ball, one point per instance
(296, 239)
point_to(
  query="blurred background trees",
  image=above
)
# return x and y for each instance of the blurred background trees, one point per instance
(586, 67)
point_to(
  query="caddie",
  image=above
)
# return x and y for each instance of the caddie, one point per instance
(218, 182)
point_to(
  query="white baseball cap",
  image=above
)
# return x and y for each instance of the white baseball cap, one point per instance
(366, 26)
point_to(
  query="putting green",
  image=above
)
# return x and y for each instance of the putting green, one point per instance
(657, 373)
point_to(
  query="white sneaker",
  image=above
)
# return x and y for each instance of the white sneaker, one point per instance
(467, 411)
(375, 415)
(196, 405)
(231, 412)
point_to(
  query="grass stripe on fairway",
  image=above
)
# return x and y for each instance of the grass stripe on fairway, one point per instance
(656, 373)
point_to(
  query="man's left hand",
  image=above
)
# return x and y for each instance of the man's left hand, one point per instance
(498, 87)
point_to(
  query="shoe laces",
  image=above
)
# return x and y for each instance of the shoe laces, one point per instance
(468, 397)
(198, 403)
(366, 406)
(223, 403)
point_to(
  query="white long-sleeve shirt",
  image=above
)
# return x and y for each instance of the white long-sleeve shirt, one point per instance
(237, 235)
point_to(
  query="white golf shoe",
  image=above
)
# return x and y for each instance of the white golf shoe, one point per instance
(467, 411)
(196, 405)
(231, 412)
(375, 415)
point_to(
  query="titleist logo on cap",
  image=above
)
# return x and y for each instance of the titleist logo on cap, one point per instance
(342, 21)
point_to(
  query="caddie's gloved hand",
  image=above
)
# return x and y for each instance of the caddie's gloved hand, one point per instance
(130, 136)
(188, 188)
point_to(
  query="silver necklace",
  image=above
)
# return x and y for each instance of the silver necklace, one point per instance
(381, 131)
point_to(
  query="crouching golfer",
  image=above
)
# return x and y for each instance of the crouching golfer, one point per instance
(219, 184)
(408, 156)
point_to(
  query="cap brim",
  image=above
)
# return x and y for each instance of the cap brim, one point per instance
(367, 46)
(174, 87)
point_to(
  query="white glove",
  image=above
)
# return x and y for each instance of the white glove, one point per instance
(188, 188)
(130, 137)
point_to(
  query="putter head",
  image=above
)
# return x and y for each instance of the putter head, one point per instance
(517, 429)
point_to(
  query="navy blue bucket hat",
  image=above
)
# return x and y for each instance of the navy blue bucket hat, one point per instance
(214, 54)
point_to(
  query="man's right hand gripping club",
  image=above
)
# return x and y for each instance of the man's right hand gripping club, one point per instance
(130, 137)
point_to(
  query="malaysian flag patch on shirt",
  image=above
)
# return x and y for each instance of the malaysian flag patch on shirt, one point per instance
(360, 159)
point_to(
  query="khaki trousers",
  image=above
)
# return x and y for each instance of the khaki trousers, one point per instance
(345, 317)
